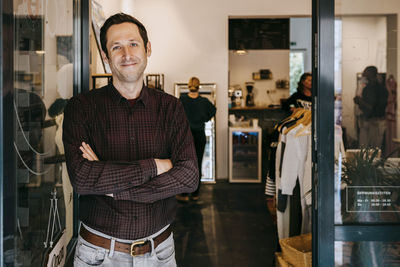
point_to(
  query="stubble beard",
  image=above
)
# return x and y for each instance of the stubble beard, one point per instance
(131, 76)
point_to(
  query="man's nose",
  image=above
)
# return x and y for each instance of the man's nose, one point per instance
(127, 53)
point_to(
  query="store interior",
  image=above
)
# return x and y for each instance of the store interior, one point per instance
(245, 76)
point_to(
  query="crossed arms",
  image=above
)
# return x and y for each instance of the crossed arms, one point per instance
(144, 180)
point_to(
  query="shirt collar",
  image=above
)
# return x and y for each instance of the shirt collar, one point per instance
(117, 97)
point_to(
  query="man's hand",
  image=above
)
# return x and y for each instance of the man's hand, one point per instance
(163, 165)
(87, 153)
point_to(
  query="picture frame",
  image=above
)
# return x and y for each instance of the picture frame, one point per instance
(98, 19)
(155, 81)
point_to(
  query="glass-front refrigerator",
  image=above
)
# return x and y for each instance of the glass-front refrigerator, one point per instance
(245, 154)
(206, 90)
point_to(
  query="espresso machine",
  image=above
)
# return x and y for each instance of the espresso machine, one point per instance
(250, 94)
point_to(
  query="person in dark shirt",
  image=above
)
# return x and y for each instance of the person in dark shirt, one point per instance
(372, 103)
(302, 98)
(129, 151)
(198, 110)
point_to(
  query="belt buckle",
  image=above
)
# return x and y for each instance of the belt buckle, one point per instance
(135, 244)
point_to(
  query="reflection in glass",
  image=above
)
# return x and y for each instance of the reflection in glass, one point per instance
(367, 170)
(367, 254)
(43, 75)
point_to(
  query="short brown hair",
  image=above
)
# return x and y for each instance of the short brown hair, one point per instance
(120, 18)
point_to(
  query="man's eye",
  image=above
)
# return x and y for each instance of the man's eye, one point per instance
(115, 48)
(134, 44)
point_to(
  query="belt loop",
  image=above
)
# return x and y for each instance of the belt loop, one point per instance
(152, 246)
(112, 247)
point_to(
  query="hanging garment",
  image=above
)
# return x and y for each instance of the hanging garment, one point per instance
(270, 187)
(282, 218)
(293, 165)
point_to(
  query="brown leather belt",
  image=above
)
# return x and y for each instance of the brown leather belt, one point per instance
(135, 249)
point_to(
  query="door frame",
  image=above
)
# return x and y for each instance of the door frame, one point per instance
(7, 162)
(323, 132)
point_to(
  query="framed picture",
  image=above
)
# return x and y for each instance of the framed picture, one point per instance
(98, 19)
(155, 81)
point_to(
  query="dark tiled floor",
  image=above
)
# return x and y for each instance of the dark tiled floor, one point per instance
(229, 226)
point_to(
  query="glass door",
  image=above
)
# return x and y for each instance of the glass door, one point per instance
(39, 198)
(356, 144)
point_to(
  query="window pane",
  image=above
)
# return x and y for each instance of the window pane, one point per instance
(43, 74)
(367, 176)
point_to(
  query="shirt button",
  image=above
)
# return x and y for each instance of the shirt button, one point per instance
(132, 138)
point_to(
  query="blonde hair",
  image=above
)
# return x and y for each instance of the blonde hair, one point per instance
(194, 84)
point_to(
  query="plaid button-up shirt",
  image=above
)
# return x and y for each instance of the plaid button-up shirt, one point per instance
(126, 140)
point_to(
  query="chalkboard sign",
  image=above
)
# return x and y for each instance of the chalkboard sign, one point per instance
(259, 34)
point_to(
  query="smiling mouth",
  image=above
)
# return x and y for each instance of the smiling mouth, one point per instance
(128, 64)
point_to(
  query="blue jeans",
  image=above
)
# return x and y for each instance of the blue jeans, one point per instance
(87, 254)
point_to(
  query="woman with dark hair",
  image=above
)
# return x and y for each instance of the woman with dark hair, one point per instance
(302, 98)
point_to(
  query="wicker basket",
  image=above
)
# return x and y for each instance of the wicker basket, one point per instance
(296, 250)
(280, 262)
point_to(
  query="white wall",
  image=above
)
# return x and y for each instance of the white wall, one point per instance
(242, 67)
(364, 44)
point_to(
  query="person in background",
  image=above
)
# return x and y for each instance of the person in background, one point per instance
(372, 103)
(198, 110)
(302, 98)
(129, 152)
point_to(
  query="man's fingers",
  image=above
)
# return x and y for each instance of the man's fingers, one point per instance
(86, 155)
(88, 150)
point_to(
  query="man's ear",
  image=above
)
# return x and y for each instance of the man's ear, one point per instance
(104, 56)
(148, 49)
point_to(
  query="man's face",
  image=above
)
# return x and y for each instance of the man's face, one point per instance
(127, 55)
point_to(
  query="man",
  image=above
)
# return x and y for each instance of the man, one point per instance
(129, 151)
(372, 103)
